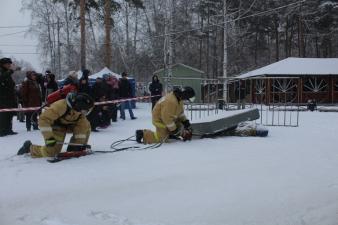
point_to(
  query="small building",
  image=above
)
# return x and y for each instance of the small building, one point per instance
(183, 75)
(302, 79)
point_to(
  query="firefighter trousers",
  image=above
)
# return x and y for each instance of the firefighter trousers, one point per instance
(60, 135)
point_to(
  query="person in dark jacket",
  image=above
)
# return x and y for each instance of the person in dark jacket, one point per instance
(125, 92)
(51, 86)
(98, 116)
(113, 83)
(84, 82)
(240, 93)
(71, 79)
(7, 96)
(31, 97)
(155, 88)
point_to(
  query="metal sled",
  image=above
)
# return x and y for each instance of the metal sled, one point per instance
(227, 122)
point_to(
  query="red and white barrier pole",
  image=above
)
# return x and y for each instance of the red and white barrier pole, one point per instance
(96, 103)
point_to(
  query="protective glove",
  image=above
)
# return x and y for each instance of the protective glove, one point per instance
(186, 124)
(50, 142)
(186, 134)
(176, 133)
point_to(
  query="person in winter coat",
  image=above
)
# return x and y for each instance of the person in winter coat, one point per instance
(71, 79)
(31, 97)
(42, 81)
(168, 118)
(99, 116)
(125, 92)
(51, 86)
(63, 116)
(84, 82)
(113, 84)
(240, 93)
(155, 88)
(7, 96)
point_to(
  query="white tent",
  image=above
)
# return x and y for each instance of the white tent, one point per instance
(105, 70)
(296, 67)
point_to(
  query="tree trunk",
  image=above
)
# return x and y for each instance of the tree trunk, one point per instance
(135, 39)
(108, 50)
(92, 29)
(256, 45)
(50, 42)
(286, 48)
(208, 43)
(277, 39)
(317, 46)
(215, 59)
(65, 5)
(127, 29)
(83, 33)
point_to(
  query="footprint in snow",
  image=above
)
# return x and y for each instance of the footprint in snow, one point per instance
(51, 221)
(114, 219)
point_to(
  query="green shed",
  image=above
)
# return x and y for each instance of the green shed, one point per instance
(183, 75)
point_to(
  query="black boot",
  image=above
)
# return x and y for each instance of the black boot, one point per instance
(139, 136)
(25, 148)
(262, 132)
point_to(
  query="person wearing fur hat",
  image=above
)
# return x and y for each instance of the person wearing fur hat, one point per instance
(71, 79)
(31, 97)
(7, 96)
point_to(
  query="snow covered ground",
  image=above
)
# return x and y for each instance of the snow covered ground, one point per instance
(290, 178)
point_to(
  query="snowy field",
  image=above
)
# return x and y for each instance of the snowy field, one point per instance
(288, 178)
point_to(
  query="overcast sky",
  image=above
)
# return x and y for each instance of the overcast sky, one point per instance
(14, 42)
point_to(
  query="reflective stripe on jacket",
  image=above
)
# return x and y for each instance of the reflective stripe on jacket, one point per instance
(57, 115)
(167, 111)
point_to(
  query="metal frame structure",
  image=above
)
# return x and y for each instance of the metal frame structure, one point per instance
(283, 110)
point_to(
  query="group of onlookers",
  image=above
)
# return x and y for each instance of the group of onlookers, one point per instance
(35, 88)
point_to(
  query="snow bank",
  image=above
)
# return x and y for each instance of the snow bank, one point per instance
(289, 177)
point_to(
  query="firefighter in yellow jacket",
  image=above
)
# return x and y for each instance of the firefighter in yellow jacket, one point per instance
(168, 118)
(63, 116)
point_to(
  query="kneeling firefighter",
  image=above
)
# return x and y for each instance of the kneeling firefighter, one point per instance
(169, 119)
(63, 116)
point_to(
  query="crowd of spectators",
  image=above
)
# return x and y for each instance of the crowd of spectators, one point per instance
(35, 88)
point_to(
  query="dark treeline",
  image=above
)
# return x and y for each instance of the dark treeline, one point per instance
(259, 32)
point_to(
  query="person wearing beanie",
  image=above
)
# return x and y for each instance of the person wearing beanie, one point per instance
(84, 82)
(7, 96)
(125, 92)
(31, 97)
(156, 90)
(72, 79)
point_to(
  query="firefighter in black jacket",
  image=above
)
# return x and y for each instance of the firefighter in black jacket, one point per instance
(7, 96)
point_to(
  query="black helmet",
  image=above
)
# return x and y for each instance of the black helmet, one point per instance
(80, 102)
(5, 61)
(188, 94)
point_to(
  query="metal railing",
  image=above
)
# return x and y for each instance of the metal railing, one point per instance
(278, 112)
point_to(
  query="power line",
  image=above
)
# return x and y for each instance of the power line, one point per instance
(20, 53)
(9, 34)
(9, 27)
(18, 45)
(228, 21)
(182, 31)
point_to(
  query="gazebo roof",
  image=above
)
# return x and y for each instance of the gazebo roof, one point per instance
(296, 67)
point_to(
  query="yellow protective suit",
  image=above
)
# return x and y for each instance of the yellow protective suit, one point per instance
(56, 121)
(167, 116)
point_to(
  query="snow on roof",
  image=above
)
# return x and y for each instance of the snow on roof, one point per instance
(296, 67)
(104, 71)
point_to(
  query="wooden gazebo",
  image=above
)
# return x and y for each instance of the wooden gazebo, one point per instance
(301, 79)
